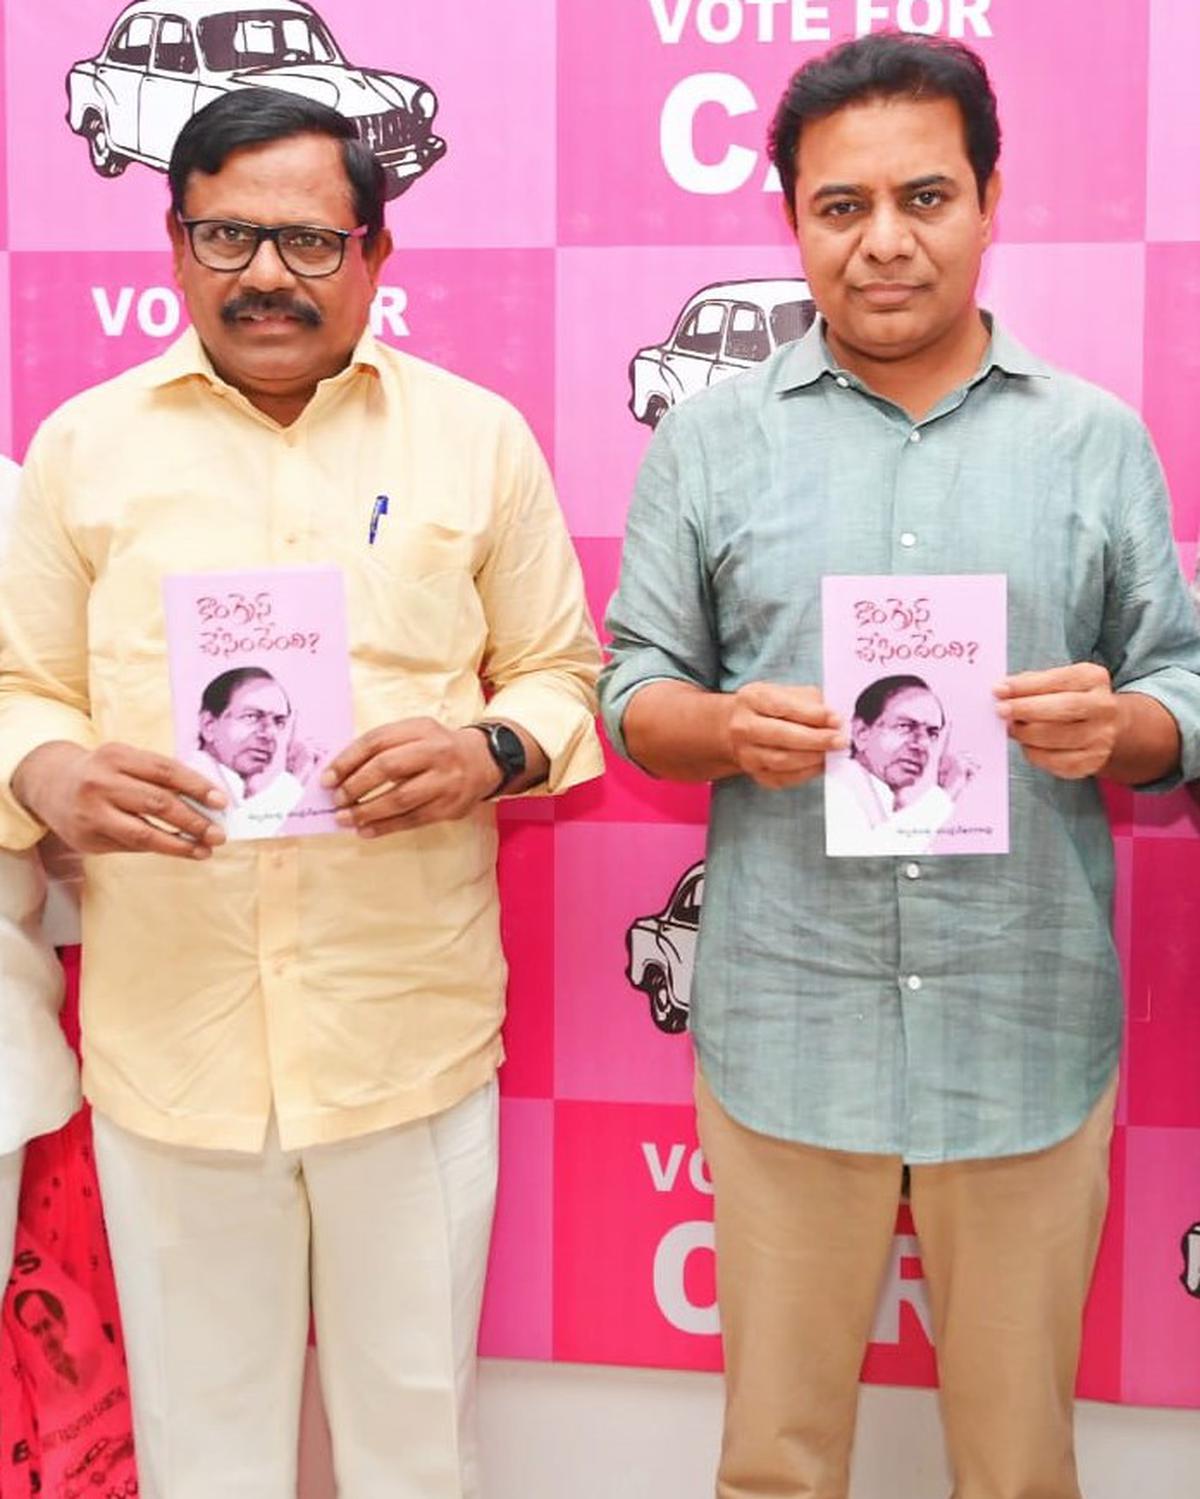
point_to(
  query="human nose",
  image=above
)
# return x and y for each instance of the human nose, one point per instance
(267, 270)
(887, 234)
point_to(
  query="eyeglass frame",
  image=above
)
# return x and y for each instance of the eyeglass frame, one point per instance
(264, 232)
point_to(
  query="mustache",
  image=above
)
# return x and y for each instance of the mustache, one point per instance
(267, 303)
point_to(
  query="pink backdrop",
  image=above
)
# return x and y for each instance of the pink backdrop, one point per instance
(604, 163)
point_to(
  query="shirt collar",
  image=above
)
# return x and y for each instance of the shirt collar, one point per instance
(809, 358)
(187, 358)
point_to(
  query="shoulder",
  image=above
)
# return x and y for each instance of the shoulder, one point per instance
(101, 408)
(451, 397)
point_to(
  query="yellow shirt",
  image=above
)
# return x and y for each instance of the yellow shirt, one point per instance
(348, 984)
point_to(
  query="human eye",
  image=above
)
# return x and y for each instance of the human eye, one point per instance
(839, 208)
(227, 232)
(305, 237)
(928, 197)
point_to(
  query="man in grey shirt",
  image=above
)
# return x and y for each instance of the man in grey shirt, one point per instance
(958, 1016)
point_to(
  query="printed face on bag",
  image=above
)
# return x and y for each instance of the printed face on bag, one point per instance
(889, 223)
(270, 330)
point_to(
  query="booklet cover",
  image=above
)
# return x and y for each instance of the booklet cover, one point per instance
(910, 664)
(260, 691)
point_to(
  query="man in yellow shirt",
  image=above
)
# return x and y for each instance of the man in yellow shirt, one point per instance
(291, 1044)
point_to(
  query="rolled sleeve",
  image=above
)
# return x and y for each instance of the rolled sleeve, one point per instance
(1151, 642)
(661, 616)
(543, 658)
(44, 589)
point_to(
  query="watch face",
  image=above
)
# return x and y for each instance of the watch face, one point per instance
(508, 751)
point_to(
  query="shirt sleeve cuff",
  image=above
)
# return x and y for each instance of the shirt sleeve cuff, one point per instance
(561, 724)
(39, 723)
(1176, 690)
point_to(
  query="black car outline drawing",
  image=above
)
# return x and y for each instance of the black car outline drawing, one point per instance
(661, 951)
(722, 329)
(165, 59)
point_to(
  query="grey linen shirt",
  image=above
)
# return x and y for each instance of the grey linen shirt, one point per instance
(954, 1007)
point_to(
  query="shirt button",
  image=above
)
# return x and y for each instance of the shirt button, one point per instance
(907, 539)
(290, 539)
(913, 982)
(914, 435)
(912, 871)
(843, 382)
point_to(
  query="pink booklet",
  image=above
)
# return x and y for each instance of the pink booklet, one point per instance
(260, 691)
(910, 664)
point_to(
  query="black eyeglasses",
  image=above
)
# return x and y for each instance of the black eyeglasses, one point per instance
(306, 249)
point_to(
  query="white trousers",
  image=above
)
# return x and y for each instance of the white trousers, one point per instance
(217, 1255)
(10, 1192)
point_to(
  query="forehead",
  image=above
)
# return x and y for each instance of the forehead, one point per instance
(300, 180)
(884, 142)
(912, 703)
(267, 696)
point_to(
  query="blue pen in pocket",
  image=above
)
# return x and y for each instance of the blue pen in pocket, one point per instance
(378, 511)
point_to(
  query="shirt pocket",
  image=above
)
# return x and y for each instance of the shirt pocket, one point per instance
(414, 608)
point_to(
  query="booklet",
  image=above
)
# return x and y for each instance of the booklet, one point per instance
(910, 664)
(260, 691)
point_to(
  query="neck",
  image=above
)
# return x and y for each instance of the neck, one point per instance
(917, 380)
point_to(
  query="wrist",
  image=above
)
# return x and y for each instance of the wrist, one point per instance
(46, 762)
(487, 778)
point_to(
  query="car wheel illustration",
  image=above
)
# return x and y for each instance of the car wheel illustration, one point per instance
(665, 1013)
(656, 409)
(105, 160)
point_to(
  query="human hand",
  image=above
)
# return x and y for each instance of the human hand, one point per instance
(116, 799)
(779, 736)
(1066, 720)
(409, 774)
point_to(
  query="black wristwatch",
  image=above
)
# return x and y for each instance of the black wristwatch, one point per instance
(506, 749)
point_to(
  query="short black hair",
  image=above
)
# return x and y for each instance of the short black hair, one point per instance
(216, 696)
(889, 65)
(258, 116)
(874, 699)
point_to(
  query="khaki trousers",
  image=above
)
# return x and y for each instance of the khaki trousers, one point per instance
(803, 1236)
(218, 1257)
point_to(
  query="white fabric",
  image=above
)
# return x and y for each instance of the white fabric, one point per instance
(39, 1079)
(212, 1255)
(39, 1084)
(10, 1192)
(861, 815)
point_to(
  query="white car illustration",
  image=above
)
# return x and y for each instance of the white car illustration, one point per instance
(723, 329)
(1191, 1261)
(166, 59)
(661, 951)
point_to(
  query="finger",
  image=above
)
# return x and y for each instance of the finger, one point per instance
(161, 770)
(777, 733)
(1079, 676)
(781, 781)
(1054, 735)
(785, 763)
(129, 834)
(1067, 767)
(1057, 707)
(802, 705)
(370, 744)
(401, 801)
(388, 767)
(142, 799)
